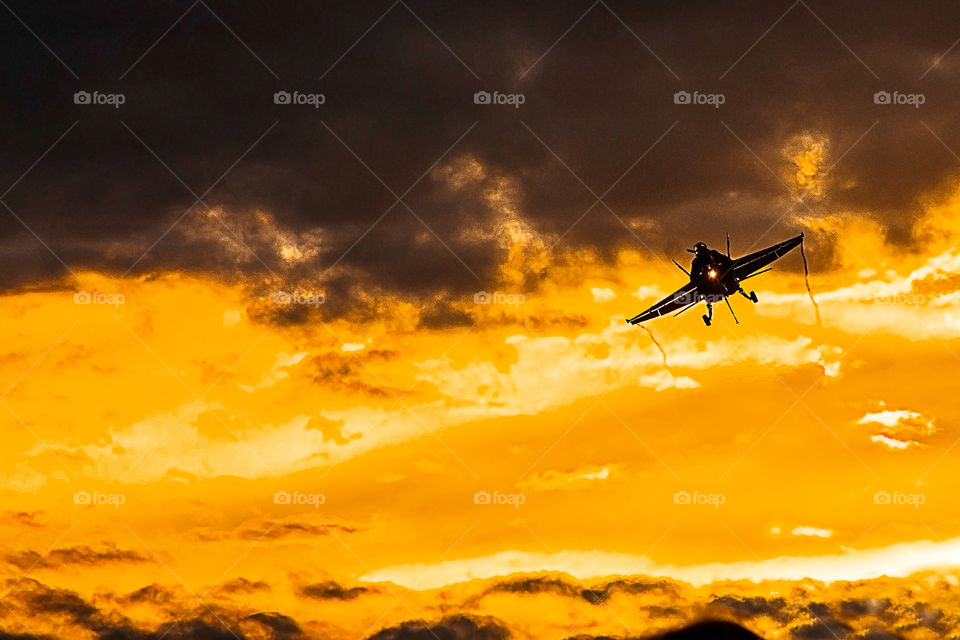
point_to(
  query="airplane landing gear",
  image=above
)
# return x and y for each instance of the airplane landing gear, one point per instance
(709, 317)
(752, 297)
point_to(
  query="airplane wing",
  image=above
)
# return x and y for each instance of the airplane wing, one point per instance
(680, 298)
(745, 265)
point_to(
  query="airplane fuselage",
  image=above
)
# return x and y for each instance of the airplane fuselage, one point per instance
(712, 273)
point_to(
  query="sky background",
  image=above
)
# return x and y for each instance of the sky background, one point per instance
(324, 370)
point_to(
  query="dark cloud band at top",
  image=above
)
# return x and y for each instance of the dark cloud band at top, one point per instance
(199, 130)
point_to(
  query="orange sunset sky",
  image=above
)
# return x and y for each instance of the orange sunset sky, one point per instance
(276, 413)
(179, 413)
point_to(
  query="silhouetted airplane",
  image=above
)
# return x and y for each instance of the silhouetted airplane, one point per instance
(714, 276)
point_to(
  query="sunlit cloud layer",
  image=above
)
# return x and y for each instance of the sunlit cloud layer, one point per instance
(898, 560)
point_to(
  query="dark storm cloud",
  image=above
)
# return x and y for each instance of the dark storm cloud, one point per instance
(855, 608)
(242, 585)
(704, 630)
(79, 555)
(529, 586)
(42, 599)
(58, 607)
(189, 629)
(821, 630)
(199, 122)
(281, 627)
(153, 593)
(629, 586)
(598, 594)
(458, 627)
(276, 530)
(345, 371)
(750, 607)
(177, 614)
(331, 591)
(25, 518)
(880, 635)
